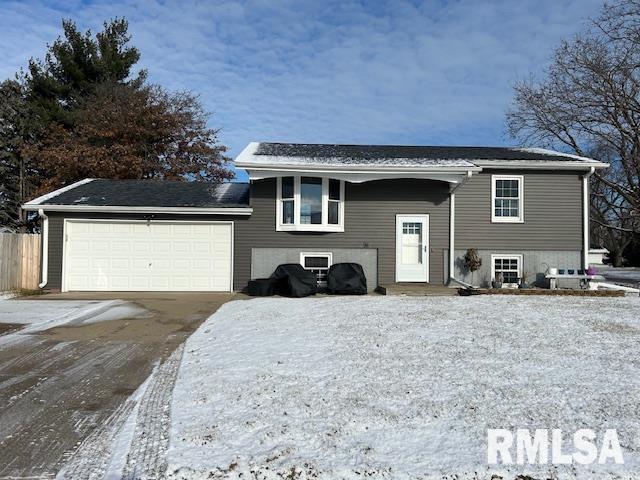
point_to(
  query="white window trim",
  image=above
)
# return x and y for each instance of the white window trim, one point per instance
(304, 255)
(507, 256)
(520, 217)
(307, 227)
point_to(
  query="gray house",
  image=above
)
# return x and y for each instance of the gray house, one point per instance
(397, 210)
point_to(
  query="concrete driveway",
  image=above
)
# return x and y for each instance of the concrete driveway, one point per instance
(58, 384)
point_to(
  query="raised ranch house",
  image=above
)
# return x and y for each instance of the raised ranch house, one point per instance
(396, 210)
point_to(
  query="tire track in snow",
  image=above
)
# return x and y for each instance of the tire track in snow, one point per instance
(149, 410)
(89, 462)
(147, 457)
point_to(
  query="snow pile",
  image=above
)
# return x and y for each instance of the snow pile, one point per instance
(401, 387)
(31, 312)
(40, 315)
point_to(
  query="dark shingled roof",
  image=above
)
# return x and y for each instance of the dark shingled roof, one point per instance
(154, 193)
(375, 153)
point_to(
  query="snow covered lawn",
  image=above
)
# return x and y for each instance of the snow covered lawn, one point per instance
(393, 387)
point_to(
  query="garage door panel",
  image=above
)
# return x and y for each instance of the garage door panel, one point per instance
(120, 282)
(80, 246)
(202, 264)
(77, 282)
(134, 256)
(162, 246)
(159, 230)
(120, 228)
(101, 263)
(180, 264)
(161, 264)
(159, 283)
(99, 282)
(120, 246)
(120, 264)
(181, 246)
(180, 283)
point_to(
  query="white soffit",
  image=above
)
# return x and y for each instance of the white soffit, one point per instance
(361, 177)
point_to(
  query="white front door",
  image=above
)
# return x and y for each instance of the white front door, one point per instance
(412, 248)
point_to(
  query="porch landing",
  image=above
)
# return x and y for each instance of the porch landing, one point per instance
(416, 290)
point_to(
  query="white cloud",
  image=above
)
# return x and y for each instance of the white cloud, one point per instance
(330, 71)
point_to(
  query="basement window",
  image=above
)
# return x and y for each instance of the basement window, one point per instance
(509, 266)
(318, 263)
(310, 204)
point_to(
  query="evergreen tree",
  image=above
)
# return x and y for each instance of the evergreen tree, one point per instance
(16, 172)
(82, 111)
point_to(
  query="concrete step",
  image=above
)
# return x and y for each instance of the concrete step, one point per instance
(416, 290)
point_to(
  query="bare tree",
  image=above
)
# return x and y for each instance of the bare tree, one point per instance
(589, 104)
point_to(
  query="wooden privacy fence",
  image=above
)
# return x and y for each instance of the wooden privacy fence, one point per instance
(19, 261)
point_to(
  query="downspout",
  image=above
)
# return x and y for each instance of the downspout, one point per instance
(452, 233)
(45, 247)
(585, 217)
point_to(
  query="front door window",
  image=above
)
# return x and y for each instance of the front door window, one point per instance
(411, 243)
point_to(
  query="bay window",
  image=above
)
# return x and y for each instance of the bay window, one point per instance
(288, 201)
(334, 201)
(311, 200)
(314, 204)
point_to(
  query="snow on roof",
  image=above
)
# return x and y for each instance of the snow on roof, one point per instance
(553, 153)
(148, 193)
(266, 153)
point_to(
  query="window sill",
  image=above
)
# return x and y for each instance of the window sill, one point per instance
(507, 220)
(310, 228)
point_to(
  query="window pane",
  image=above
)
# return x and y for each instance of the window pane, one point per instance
(334, 189)
(311, 262)
(510, 208)
(287, 187)
(507, 188)
(333, 213)
(508, 267)
(510, 277)
(311, 200)
(287, 211)
(411, 243)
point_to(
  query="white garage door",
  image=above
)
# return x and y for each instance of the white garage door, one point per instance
(151, 256)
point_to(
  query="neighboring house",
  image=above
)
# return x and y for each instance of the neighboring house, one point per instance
(598, 255)
(397, 210)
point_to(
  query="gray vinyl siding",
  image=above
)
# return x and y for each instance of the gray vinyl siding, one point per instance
(370, 222)
(552, 213)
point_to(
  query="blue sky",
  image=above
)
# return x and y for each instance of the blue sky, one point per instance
(398, 72)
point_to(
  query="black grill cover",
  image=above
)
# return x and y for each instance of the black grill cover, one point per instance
(292, 280)
(346, 279)
(261, 287)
